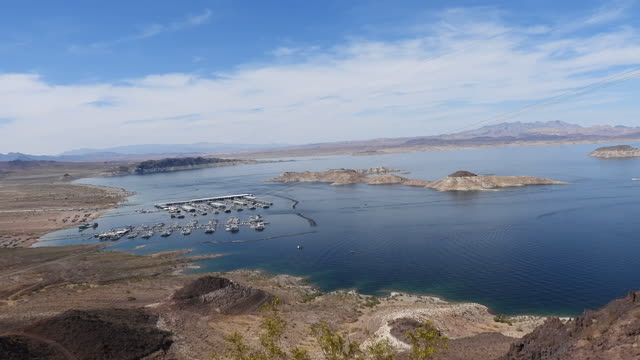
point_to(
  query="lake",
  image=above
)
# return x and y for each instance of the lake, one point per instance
(531, 250)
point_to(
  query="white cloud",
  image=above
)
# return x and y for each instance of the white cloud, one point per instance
(458, 73)
(149, 31)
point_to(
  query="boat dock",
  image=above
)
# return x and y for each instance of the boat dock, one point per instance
(216, 199)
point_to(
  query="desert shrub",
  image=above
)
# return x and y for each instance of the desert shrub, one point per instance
(371, 301)
(425, 341)
(502, 319)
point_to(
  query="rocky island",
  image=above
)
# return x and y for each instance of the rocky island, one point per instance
(616, 152)
(468, 181)
(382, 176)
(458, 181)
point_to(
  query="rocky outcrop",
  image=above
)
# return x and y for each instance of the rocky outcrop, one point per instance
(379, 171)
(616, 152)
(391, 179)
(89, 334)
(467, 181)
(458, 181)
(462, 173)
(382, 176)
(612, 332)
(221, 295)
(176, 164)
(344, 176)
(335, 177)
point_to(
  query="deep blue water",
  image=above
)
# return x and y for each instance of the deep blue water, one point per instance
(539, 249)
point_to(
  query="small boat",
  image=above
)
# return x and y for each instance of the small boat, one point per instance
(94, 225)
(227, 210)
(232, 228)
(265, 206)
(252, 208)
(166, 233)
(180, 216)
(186, 231)
(300, 247)
(209, 230)
(147, 234)
(132, 235)
(259, 226)
(84, 226)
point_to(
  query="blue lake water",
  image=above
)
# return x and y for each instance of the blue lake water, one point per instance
(538, 250)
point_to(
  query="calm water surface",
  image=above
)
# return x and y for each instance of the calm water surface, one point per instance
(540, 249)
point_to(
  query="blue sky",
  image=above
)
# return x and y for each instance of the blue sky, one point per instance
(301, 71)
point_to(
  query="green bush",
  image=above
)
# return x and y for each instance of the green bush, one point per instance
(503, 319)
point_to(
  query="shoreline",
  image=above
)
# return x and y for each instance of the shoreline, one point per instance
(25, 227)
(96, 279)
(406, 150)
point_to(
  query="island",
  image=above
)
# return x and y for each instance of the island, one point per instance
(458, 181)
(616, 152)
(382, 176)
(468, 181)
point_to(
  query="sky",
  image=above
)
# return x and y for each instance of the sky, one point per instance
(96, 74)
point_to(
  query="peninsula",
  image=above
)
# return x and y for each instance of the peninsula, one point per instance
(458, 181)
(616, 152)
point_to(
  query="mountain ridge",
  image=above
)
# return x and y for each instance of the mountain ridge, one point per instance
(490, 135)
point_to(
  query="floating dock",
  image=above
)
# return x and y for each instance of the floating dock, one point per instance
(166, 205)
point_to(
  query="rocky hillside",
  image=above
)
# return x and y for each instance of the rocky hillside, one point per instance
(348, 176)
(612, 332)
(467, 181)
(619, 151)
(173, 164)
(458, 181)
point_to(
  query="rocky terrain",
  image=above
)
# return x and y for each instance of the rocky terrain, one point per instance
(382, 176)
(616, 152)
(612, 332)
(458, 181)
(183, 163)
(224, 296)
(88, 334)
(78, 303)
(466, 181)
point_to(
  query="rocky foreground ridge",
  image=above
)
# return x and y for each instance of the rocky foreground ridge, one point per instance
(614, 152)
(458, 181)
(612, 332)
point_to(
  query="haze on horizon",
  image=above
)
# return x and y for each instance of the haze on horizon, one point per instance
(117, 73)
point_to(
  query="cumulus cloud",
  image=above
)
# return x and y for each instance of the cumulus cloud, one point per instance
(460, 71)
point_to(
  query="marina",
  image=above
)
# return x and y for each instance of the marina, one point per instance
(194, 207)
(233, 225)
(215, 205)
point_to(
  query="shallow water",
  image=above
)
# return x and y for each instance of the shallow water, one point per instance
(539, 249)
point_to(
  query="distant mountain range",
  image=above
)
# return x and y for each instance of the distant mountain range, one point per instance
(516, 133)
(491, 135)
(139, 152)
(149, 149)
